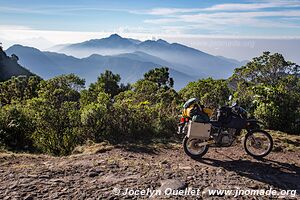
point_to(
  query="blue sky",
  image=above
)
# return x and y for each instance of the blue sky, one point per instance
(46, 23)
(277, 18)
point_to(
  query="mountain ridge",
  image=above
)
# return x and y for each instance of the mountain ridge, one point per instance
(200, 62)
(90, 67)
(10, 67)
(126, 56)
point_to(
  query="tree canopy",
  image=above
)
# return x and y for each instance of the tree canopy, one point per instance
(54, 116)
(269, 86)
(160, 76)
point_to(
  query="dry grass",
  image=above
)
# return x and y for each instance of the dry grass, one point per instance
(10, 154)
(285, 142)
(150, 146)
(166, 144)
(2, 149)
(282, 142)
(93, 148)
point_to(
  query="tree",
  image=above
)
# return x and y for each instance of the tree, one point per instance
(95, 117)
(18, 89)
(212, 93)
(278, 106)
(16, 127)
(266, 69)
(130, 120)
(56, 115)
(148, 110)
(269, 85)
(160, 76)
(146, 91)
(109, 83)
(60, 89)
(58, 130)
(14, 57)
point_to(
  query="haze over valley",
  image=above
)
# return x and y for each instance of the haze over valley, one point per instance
(128, 57)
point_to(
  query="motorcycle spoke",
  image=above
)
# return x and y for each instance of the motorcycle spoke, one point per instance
(194, 148)
(258, 143)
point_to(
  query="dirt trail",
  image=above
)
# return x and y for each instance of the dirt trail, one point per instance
(97, 176)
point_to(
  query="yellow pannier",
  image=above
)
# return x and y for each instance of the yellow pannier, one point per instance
(186, 111)
(208, 111)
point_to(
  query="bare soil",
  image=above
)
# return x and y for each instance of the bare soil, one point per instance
(96, 176)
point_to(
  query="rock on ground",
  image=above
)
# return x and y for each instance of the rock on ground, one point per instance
(110, 174)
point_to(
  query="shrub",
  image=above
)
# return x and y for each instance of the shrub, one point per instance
(58, 130)
(16, 127)
(94, 117)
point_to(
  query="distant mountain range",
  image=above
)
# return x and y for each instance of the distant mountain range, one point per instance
(9, 67)
(199, 62)
(128, 57)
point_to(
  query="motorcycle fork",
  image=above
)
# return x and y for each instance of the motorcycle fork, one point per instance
(251, 136)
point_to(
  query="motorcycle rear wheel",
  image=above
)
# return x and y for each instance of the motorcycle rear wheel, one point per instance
(192, 150)
(255, 140)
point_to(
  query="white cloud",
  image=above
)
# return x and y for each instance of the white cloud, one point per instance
(252, 6)
(27, 36)
(224, 7)
(219, 20)
(179, 22)
(238, 18)
(166, 11)
(13, 27)
(56, 10)
(235, 7)
(233, 14)
(44, 39)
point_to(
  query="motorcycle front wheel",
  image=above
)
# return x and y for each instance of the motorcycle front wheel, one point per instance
(258, 143)
(191, 147)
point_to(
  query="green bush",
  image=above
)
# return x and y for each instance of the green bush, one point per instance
(16, 127)
(212, 93)
(269, 87)
(56, 115)
(18, 89)
(95, 118)
(131, 121)
(277, 107)
(58, 130)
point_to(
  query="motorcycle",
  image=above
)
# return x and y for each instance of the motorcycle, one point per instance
(224, 131)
